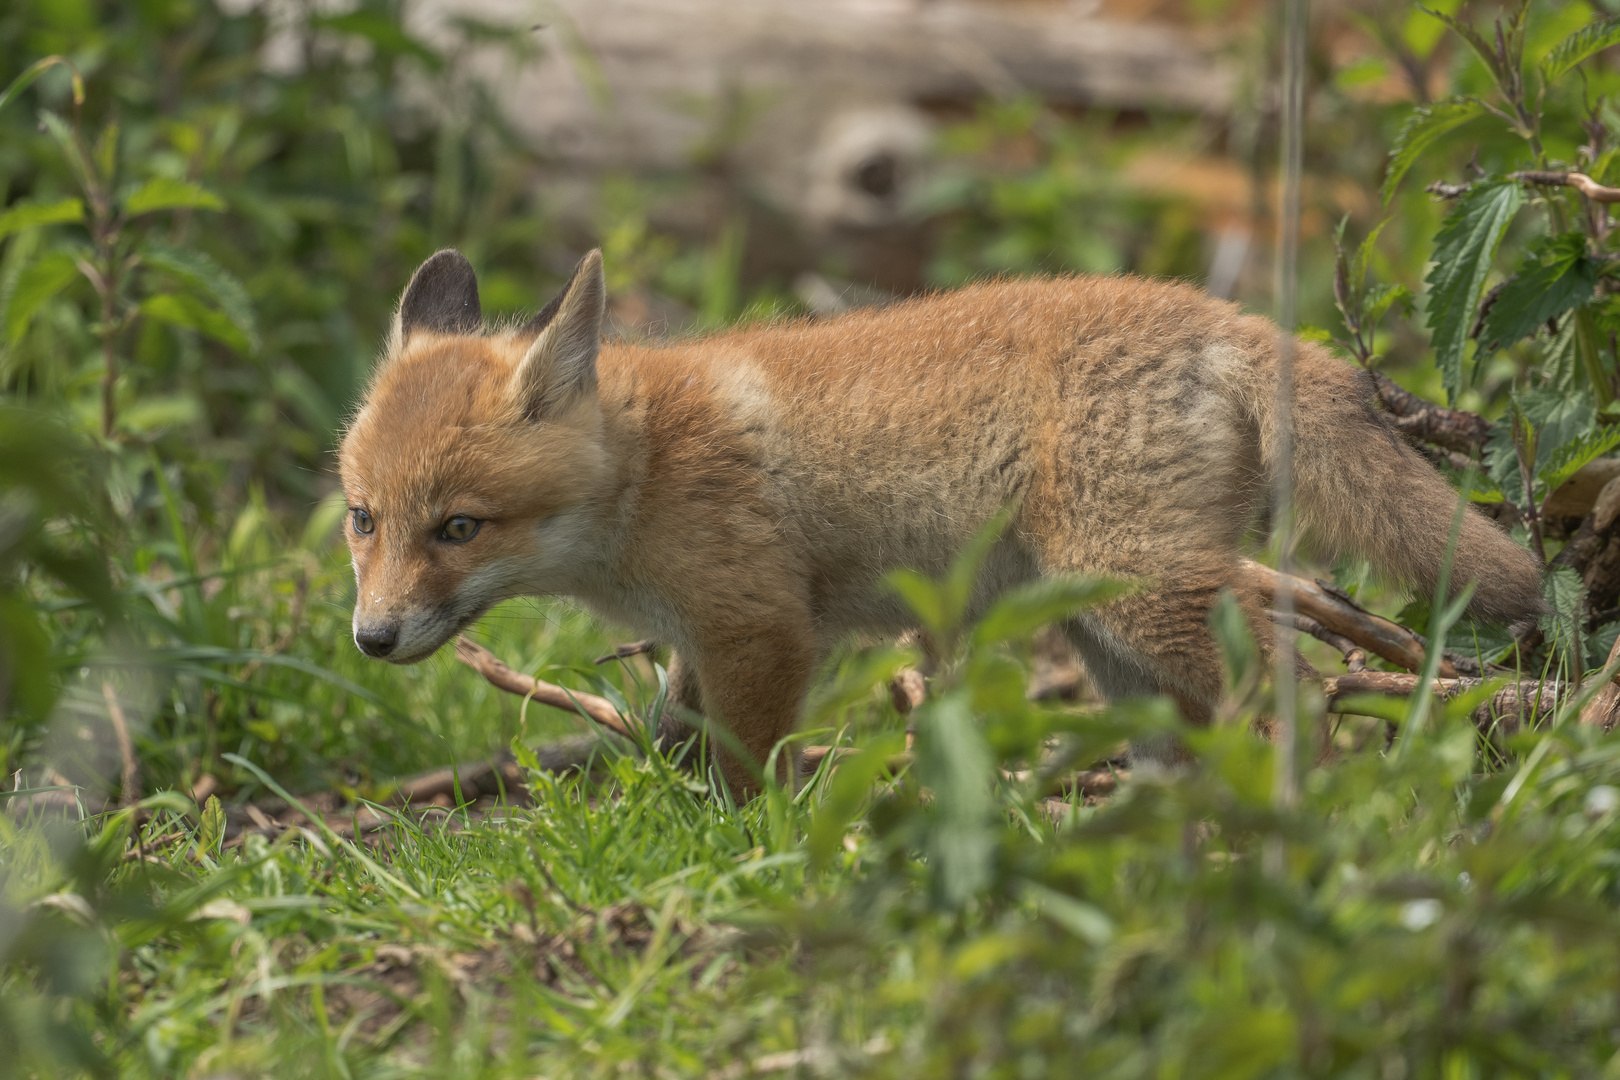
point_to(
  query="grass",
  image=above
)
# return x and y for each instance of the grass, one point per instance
(1448, 908)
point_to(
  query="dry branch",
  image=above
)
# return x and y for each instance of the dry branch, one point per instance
(129, 792)
(624, 652)
(1579, 181)
(1355, 657)
(1511, 708)
(1603, 711)
(1454, 429)
(590, 706)
(1343, 616)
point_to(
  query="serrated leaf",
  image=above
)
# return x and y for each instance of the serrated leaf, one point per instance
(1565, 461)
(1566, 432)
(1380, 298)
(167, 193)
(1584, 43)
(29, 214)
(1553, 279)
(1482, 48)
(41, 280)
(199, 271)
(1463, 252)
(179, 309)
(1423, 128)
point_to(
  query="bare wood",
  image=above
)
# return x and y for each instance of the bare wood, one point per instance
(1603, 711)
(1579, 181)
(907, 690)
(491, 776)
(1454, 429)
(1465, 433)
(1515, 706)
(624, 652)
(1355, 657)
(811, 757)
(1387, 639)
(590, 706)
(130, 783)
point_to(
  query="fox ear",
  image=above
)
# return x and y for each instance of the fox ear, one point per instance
(561, 363)
(442, 298)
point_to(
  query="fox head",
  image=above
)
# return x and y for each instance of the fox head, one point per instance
(471, 466)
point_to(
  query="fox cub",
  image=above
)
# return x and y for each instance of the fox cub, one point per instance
(741, 496)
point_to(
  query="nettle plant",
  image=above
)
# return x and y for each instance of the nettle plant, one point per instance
(126, 261)
(1548, 299)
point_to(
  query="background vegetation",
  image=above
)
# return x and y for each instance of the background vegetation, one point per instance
(198, 252)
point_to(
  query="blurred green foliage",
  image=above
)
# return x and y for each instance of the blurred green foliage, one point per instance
(196, 263)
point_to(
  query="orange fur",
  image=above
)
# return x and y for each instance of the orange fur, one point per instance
(741, 496)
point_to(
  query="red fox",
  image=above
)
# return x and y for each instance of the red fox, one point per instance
(740, 497)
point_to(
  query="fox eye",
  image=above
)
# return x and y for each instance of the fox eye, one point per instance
(459, 528)
(362, 521)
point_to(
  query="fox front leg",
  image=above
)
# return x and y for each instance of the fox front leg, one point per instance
(751, 680)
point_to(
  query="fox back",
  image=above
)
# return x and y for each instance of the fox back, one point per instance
(740, 497)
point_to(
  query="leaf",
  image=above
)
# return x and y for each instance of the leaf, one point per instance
(1482, 48)
(1563, 462)
(1463, 252)
(1584, 43)
(1425, 126)
(212, 829)
(1553, 279)
(384, 33)
(1380, 298)
(34, 71)
(36, 285)
(199, 271)
(167, 193)
(1567, 437)
(179, 309)
(29, 214)
(1025, 610)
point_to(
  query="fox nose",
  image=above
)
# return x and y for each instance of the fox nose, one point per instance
(376, 640)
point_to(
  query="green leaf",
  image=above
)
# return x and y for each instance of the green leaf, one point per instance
(167, 193)
(850, 790)
(1025, 610)
(1380, 298)
(36, 285)
(202, 274)
(1463, 252)
(1554, 278)
(29, 214)
(34, 71)
(1584, 43)
(212, 829)
(180, 309)
(386, 34)
(1563, 462)
(1423, 128)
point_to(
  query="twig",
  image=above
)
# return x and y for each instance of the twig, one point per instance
(1514, 706)
(1355, 657)
(491, 775)
(1343, 616)
(590, 706)
(1454, 429)
(624, 652)
(130, 783)
(1442, 190)
(1579, 181)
